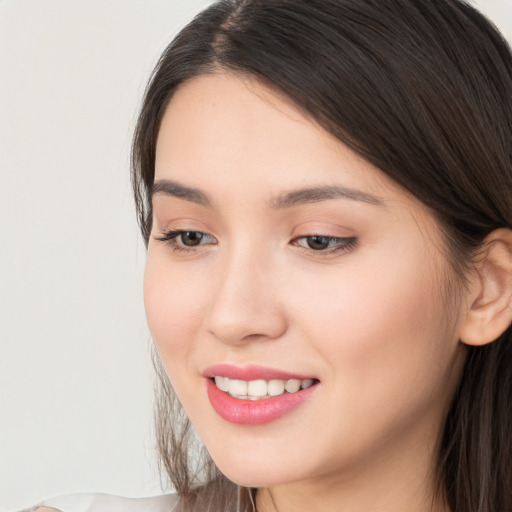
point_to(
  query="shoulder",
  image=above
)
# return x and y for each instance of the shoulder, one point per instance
(107, 503)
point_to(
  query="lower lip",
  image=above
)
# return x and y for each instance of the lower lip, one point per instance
(255, 412)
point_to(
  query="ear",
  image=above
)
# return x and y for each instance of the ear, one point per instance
(489, 304)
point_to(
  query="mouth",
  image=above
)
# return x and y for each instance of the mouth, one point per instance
(254, 395)
(261, 389)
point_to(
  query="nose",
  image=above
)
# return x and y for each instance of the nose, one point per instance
(245, 306)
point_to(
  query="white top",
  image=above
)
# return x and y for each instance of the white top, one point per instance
(109, 503)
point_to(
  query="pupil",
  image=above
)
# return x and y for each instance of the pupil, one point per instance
(318, 242)
(191, 238)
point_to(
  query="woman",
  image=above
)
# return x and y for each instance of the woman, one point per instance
(325, 190)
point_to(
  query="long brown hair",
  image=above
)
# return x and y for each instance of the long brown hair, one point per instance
(423, 90)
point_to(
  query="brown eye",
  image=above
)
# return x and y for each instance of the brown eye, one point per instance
(325, 245)
(191, 238)
(318, 243)
(187, 241)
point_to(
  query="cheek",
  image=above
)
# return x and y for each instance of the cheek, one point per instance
(174, 310)
(381, 325)
(389, 359)
(369, 297)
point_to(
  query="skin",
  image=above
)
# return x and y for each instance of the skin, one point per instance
(375, 322)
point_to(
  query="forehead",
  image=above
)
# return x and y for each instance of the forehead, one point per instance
(227, 111)
(228, 134)
(222, 124)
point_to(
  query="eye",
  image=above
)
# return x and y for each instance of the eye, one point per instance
(191, 238)
(185, 240)
(325, 244)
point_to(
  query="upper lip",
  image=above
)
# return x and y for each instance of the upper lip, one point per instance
(251, 372)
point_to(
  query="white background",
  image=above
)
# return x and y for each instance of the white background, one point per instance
(75, 381)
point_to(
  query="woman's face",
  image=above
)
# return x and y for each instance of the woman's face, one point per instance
(280, 260)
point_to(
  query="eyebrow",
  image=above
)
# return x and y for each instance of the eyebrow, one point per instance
(174, 189)
(324, 193)
(294, 198)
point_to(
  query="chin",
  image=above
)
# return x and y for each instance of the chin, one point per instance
(249, 470)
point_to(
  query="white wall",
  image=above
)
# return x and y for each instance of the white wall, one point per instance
(75, 401)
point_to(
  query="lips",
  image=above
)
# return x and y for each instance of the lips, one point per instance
(255, 395)
(251, 373)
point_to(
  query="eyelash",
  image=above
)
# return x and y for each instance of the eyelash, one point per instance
(342, 244)
(170, 238)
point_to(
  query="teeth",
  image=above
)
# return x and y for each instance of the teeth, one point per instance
(222, 383)
(306, 383)
(275, 387)
(260, 389)
(257, 388)
(292, 385)
(238, 387)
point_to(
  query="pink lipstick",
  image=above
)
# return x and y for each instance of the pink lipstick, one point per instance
(255, 395)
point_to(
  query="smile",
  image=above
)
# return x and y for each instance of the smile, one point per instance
(260, 389)
(255, 395)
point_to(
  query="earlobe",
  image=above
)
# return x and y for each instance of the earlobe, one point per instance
(489, 305)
